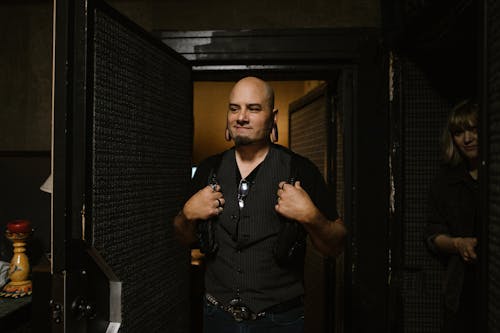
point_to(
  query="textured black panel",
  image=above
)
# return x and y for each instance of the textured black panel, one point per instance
(142, 147)
(309, 138)
(309, 132)
(339, 158)
(338, 175)
(493, 35)
(423, 117)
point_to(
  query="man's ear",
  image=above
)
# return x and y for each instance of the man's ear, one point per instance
(274, 133)
(274, 126)
(275, 115)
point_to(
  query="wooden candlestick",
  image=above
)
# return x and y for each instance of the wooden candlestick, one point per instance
(18, 232)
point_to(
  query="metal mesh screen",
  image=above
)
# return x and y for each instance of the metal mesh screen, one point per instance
(142, 143)
(423, 117)
(493, 116)
(309, 133)
(339, 192)
(339, 154)
(309, 138)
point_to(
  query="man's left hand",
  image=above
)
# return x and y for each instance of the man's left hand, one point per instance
(294, 203)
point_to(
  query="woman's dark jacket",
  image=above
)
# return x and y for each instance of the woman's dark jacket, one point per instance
(453, 205)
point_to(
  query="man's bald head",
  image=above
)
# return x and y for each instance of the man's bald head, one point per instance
(254, 83)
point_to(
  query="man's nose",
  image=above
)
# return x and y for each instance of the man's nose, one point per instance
(243, 115)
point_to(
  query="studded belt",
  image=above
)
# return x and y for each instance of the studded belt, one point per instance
(241, 312)
(236, 308)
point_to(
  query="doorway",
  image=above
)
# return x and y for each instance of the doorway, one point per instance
(354, 56)
(310, 106)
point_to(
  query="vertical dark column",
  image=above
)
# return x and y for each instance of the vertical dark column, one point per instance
(421, 114)
(490, 170)
(369, 186)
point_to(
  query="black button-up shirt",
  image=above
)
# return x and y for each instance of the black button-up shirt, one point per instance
(244, 266)
(453, 208)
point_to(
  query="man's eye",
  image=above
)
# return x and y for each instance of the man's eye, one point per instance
(256, 109)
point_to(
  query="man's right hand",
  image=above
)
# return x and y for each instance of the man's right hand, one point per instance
(204, 204)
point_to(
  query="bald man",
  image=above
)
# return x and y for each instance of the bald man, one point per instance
(250, 210)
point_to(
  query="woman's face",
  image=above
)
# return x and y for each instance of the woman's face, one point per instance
(466, 141)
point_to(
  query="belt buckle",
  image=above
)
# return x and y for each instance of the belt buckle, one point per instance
(240, 313)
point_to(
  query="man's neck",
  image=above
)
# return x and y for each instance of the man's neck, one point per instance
(249, 156)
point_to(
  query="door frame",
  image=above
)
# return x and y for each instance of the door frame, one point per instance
(300, 54)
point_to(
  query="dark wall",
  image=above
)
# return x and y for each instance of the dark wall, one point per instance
(25, 83)
(240, 14)
(441, 37)
(25, 118)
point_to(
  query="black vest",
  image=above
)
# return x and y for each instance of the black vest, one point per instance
(244, 266)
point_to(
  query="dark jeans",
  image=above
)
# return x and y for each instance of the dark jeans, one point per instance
(465, 319)
(216, 320)
(459, 322)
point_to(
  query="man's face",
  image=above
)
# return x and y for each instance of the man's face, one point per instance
(249, 118)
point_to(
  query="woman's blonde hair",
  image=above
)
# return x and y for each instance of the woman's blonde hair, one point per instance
(463, 115)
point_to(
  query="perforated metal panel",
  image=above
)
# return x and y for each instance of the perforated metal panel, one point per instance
(338, 175)
(142, 143)
(493, 116)
(423, 117)
(309, 131)
(309, 138)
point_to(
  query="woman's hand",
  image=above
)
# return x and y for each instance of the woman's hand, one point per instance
(465, 247)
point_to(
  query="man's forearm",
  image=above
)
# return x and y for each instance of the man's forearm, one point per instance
(327, 236)
(185, 229)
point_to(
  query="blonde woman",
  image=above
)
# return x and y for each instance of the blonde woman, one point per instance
(452, 221)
